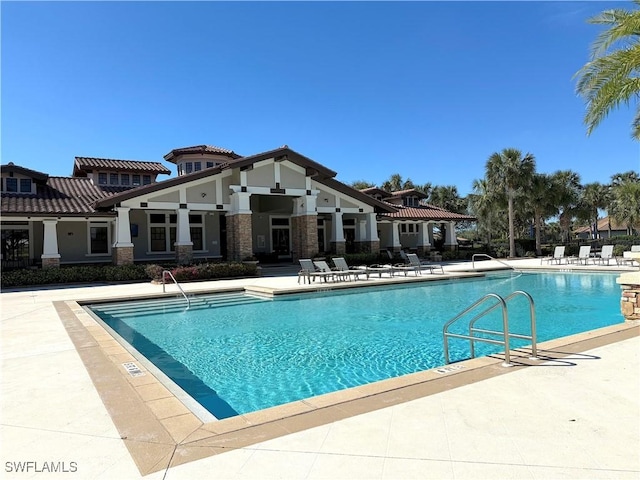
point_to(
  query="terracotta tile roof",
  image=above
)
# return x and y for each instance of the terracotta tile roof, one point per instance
(82, 164)
(429, 212)
(604, 224)
(34, 174)
(60, 195)
(412, 191)
(201, 149)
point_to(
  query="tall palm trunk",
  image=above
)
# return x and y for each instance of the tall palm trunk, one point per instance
(512, 237)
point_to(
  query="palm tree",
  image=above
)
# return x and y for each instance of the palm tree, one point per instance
(510, 172)
(594, 196)
(567, 193)
(611, 76)
(541, 204)
(362, 184)
(620, 178)
(482, 204)
(393, 184)
(625, 205)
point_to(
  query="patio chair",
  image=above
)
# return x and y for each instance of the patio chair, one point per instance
(414, 261)
(606, 255)
(323, 267)
(557, 257)
(584, 255)
(376, 268)
(635, 248)
(309, 272)
(343, 268)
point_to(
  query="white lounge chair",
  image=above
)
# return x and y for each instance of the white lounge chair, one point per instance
(343, 268)
(584, 255)
(323, 267)
(606, 255)
(414, 261)
(557, 257)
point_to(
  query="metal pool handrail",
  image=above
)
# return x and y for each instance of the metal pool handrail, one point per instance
(167, 272)
(473, 261)
(506, 334)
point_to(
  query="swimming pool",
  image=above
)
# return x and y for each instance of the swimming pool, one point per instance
(237, 358)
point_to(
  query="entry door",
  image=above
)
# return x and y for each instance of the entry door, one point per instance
(280, 236)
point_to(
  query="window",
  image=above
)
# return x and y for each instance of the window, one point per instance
(196, 231)
(188, 167)
(15, 247)
(197, 166)
(136, 180)
(210, 164)
(180, 169)
(146, 179)
(162, 232)
(98, 238)
(25, 185)
(12, 184)
(403, 228)
(102, 179)
(113, 179)
(124, 179)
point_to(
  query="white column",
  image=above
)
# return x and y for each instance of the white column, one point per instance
(423, 235)
(372, 228)
(451, 234)
(123, 228)
(50, 244)
(183, 234)
(395, 236)
(430, 233)
(305, 205)
(240, 202)
(361, 233)
(337, 229)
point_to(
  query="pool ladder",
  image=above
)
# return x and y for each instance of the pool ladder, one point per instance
(164, 276)
(505, 333)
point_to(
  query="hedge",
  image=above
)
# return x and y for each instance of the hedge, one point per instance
(122, 273)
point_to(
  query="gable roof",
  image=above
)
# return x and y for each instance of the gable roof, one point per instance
(604, 224)
(314, 169)
(82, 165)
(408, 192)
(34, 174)
(202, 149)
(60, 195)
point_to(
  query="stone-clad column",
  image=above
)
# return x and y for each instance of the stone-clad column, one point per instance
(304, 227)
(183, 243)
(123, 247)
(630, 301)
(239, 227)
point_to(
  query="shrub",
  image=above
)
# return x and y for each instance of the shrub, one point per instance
(123, 273)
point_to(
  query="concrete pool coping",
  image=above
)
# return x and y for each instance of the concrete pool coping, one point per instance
(160, 432)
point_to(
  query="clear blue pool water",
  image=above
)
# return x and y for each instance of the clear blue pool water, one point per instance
(235, 359)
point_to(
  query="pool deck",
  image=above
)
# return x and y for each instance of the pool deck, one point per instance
(68, 404)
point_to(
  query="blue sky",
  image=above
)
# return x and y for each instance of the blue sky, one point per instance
(425, 89)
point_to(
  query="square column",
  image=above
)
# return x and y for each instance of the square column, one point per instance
(183, 243)
(304, 228)
(50, 256)
(395, 246)
(337, 242)
(424, 242)
(122, 251)
(451, 241)
(239, 237)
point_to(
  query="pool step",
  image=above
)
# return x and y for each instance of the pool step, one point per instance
(176, 304)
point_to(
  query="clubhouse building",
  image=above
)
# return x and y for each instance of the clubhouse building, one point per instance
(275, 205)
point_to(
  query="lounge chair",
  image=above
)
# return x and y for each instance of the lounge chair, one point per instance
(557, 257)
(343, 268)
(414, 261)
(377, 268)
(309, 272)
(606, 255)
(584, 255)
(323, 267)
